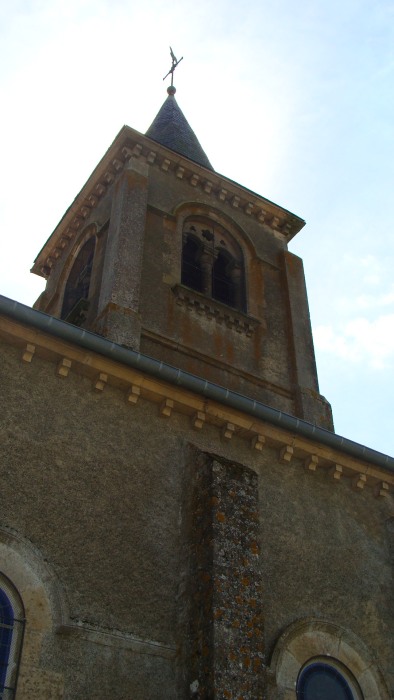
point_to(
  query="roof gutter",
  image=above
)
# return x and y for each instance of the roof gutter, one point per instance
(96, 343)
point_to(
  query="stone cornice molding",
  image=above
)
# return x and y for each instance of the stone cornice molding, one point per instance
(116, 638)
(292, 449)
(212, 309)
(131, 144)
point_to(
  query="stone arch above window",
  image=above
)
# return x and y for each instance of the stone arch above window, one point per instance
(76, 292)
(213, 262)
(308, 642)
(35, 594)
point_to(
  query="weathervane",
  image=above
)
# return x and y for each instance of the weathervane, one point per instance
(174, 65)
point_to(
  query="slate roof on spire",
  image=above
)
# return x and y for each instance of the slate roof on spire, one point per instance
(171, 129)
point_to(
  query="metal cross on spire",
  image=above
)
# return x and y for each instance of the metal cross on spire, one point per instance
(174, 65)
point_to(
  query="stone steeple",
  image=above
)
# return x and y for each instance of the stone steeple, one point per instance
(162, 254)
(171, 129)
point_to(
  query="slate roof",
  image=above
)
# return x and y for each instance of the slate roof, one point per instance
(170, 128)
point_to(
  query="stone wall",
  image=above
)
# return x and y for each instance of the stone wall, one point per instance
(162, 541)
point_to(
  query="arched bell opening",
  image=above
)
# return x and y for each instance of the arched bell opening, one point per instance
(213, 263)
(76, 293)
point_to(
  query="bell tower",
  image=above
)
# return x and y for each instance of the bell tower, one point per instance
(162, 254)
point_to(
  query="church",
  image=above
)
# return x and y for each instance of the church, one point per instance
(179, 519)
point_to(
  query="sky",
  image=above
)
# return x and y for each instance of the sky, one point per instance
(294, 100)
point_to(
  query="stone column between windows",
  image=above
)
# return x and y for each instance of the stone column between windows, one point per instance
(226, 639)
(118, 312)
(235, 276)
(206, 262)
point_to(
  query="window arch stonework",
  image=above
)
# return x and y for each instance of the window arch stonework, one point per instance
(311, 641)
(34, 593)
(238, 257)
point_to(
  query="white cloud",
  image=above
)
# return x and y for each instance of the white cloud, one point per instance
(363, 302)
(366, 285)
(359, 341)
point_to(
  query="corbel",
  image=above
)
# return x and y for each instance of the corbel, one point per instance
(257, 442)
(28, 352)
(180, 172)
(381, 489)
(100, 189)
(249, 208)
(133, 394)
(151, 157)
(228, 431)
(85, 211)
(166, 408)
(100, 382)
(194, 180)
(126, 152)
(235, 202)
(208, 186)
(222, 194)
(210, 311)
(137, 150)
(118, 165)
(200, 308)
(198, 420)
(93, 200)
(336, 472)
(63, 367)
(286, 228)
(275, 222)
(165, 164)
(74, 225)
(359, 482)
(109, 177)
(286, 454)
(261, 215)
(311, 463)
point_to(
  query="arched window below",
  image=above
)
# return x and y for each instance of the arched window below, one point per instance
(353, 674)
(76, 293)
(212, 262)
(326, 680)
(12, 622)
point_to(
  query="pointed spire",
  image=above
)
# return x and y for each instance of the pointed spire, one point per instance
(170, 128)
